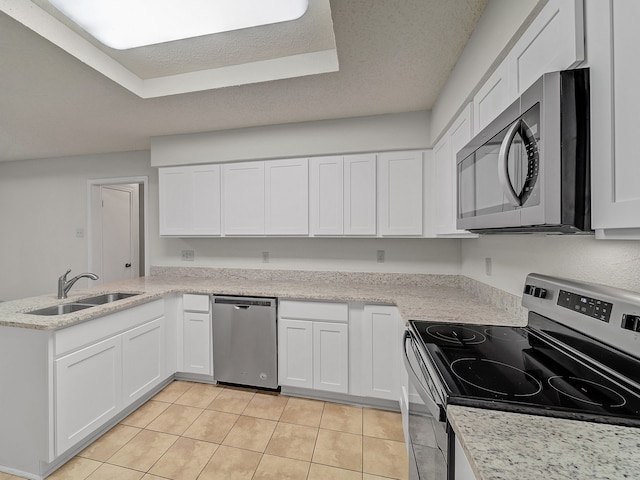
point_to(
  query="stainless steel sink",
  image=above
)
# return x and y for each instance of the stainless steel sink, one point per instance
(82, 304)
(106, 298)
(60, 309)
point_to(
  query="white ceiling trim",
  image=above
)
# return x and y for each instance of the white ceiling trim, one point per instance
(38, 20)
(255, 72)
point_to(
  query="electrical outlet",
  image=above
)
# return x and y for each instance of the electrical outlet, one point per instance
(265, 257)
(487, 266)
(79, 232)
(380, 256)
(188, 255)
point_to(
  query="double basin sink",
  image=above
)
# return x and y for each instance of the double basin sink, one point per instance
(82, 304)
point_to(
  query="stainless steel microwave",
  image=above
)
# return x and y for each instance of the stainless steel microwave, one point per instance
(528, 170)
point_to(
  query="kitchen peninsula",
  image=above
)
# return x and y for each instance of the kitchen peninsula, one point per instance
(441, 297)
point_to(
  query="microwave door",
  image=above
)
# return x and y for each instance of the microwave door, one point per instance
(481, 199)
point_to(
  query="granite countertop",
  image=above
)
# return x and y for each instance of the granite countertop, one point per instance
(506, 446)
(431, 299)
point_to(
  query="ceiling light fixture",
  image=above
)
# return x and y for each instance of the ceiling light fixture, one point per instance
(123, 24)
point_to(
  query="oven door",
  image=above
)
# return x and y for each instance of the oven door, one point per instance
(429, 433)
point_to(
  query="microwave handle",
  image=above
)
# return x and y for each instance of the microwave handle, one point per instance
(503, 165)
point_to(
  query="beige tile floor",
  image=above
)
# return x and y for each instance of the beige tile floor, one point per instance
(192, 431)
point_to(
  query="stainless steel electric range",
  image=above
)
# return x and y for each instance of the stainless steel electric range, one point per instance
(577, 358)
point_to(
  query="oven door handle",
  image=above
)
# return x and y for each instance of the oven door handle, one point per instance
(441, 417)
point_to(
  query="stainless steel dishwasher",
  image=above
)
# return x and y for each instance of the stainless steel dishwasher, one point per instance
(245, 341)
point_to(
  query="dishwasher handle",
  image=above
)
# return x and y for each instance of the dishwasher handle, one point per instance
(243, 303)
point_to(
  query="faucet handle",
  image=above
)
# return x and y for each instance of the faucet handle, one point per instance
(63, 277)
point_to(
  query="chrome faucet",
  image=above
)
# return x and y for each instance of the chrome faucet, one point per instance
(65, 285)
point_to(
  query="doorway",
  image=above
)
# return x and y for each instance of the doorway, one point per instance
(117, 228)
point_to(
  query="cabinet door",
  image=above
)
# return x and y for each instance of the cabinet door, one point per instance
(400, 193)
(326, 193)
(381, 350)
(331, 357)
(189, 200)
(554, 41)
(143, 354)
(360, 195)
(196, 343)
(173, 201)
(88, 391)
(205, 200)
(492, 98)
(295, 353)
(287, 197)
(614, 100)
(243, 198)
(445, 177)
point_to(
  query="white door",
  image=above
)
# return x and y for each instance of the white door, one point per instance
(196, 343)
(331, 357)
(360, 194)
(243, 198)
(326, 194)
(119, 235)
(400, 193)
(381, 350)
(143, 352)
(287, 197)
(295, 353)
(88, 391)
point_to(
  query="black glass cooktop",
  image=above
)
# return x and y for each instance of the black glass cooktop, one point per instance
(523, 370)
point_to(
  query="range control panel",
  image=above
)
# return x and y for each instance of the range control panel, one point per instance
(592, 307)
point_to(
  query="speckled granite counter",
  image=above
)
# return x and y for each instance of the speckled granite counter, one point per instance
(432, 297)
(507, 446)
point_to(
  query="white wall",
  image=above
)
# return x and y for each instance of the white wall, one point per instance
(615, 263)
(349, 254)
(42, 203)
(404, 131)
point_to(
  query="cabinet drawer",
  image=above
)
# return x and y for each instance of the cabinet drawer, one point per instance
(328, 311)
(196, 303)
(91, 331)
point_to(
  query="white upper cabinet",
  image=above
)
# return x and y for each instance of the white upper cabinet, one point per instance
(554, 41)
(492, 98)
(400, 193)
(287, 197)
(243, 198)
(189, 200)
(445, 184)
(613, 35)
(360, 194)
(326, 195)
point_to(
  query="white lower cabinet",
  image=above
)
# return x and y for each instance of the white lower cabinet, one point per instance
(381, 355)
(88, 391)
(197, 342)
(331, 357)
(295, 357)
(313, 345)
(104, 365)
(143, 357)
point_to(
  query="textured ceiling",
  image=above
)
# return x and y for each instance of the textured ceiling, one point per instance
(394, 57)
